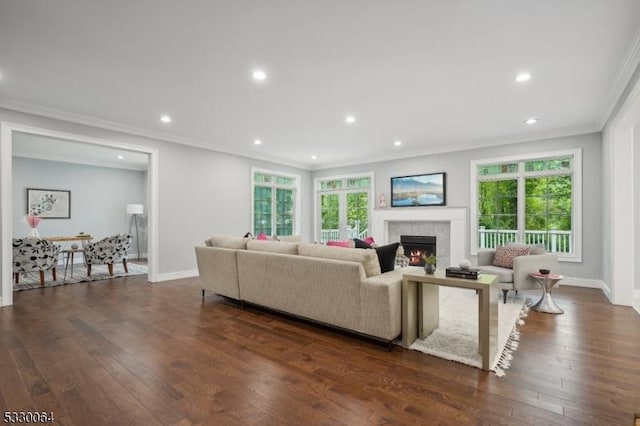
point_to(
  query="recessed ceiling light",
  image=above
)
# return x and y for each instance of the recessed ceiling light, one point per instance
(522, 77)
(397, 143)
(350, 119)
(314, 157)
(531, 120)
(120, 157)
(259, 75)
(257, 142)
(165, 119)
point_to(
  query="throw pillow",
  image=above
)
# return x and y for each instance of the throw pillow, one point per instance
(336, 243)
(387, 257)
(363, 244)
(262, 236)
(505, 254)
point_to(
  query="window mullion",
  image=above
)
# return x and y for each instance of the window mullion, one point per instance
(521, 203)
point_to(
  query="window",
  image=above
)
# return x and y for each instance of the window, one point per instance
(534, 199)
(343, 207)
(275, 204)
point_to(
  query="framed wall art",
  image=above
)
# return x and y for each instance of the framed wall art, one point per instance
(49, 203)
(419, 190)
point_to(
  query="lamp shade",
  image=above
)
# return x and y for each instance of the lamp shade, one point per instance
(135, 208)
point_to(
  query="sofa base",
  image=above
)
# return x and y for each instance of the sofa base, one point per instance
(345, 331)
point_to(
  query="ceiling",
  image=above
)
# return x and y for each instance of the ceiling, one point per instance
(436, 75)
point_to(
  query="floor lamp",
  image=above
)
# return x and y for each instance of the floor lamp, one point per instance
(135, 210)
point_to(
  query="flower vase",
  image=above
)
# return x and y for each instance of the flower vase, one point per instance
(429, 269)
(34, 233)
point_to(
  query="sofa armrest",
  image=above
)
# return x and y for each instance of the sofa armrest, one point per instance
(381, 302)
(523, 266)
(218, 269)
(486, 256)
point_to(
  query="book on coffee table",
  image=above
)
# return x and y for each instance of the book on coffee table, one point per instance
(455, 272)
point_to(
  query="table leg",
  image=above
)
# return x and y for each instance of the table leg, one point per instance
(66, 267)
(488, 325)
(72, 263)
(409, 312)
(546, 303)
(428, 309)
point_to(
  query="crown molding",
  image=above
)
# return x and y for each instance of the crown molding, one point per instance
(466, 146)
(57, 114)
(629, 66)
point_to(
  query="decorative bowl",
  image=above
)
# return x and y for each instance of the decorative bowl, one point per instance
(544, 271)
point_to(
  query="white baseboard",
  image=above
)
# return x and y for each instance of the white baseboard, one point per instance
(607, 292)
(636, 300)
(177, 275)
(583, 282)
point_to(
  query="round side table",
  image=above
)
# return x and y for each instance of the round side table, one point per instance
(546, 303)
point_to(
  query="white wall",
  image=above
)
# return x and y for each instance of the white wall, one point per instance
(200, 192)
(98, 196)
(456, 164)
(620, 222)
(636, 187)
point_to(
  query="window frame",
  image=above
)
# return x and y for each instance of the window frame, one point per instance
(297, 195)
(521, 175)
(317, 191)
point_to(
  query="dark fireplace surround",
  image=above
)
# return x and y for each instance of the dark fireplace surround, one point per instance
(415, 246)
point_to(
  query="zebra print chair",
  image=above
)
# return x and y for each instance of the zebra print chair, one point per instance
(108, 251)
(34, 254)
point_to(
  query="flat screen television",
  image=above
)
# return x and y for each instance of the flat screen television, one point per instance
(419, 190)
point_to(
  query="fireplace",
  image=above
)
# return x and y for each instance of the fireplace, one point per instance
(415, 246)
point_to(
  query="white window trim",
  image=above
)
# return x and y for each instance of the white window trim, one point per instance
(576, 211)
(317, 191)
(297, 195)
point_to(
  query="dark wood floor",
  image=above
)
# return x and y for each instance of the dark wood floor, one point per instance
(124, 352)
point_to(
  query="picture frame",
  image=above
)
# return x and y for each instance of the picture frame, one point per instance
(49, 203)
(422, 190)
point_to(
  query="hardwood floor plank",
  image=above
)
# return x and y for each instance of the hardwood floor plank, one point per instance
(127, 352)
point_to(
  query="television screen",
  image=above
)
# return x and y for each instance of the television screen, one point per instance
(419, 190)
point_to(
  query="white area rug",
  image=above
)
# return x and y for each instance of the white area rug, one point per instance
(457, 336)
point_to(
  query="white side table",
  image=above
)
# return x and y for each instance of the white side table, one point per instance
(546, 303)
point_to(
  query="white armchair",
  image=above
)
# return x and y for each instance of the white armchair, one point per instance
(32, 254)
(108, 251)
(518, 278)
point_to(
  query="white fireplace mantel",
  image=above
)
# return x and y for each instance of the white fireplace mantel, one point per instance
(456, 216)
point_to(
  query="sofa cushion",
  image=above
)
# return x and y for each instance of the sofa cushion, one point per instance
(367, 258)
(505, 254)
(290, 238)
(223, 241)
(533, 248)
(273, 246)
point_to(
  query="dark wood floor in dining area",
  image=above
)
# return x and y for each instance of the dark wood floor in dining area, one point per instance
(124, 352)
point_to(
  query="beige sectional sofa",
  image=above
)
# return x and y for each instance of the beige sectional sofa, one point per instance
(341, 287)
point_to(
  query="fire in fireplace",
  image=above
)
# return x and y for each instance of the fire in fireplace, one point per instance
(416, 246)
